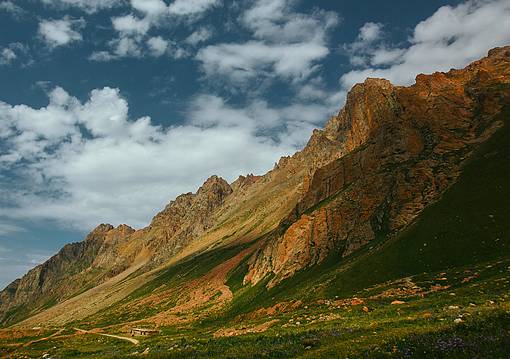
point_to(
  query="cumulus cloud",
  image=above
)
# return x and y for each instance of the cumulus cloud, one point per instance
(285, 44)
(275, 20)
(89, 6)
(360, 50)
(452, 37)
(157, 46)
(154, 11)
(61, 32)
(86, 162)
(102, 56)
(134, 39)
(370, 32)
(130, 24)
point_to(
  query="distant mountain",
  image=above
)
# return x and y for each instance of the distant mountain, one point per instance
(383, 165)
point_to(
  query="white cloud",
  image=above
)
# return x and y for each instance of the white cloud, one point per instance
(130, 24)
(133, 29)
(384, 56)
(199, 36)
(370, 32)
(89, 6)
(84, 163)
(366, 43)
(241, 62)
(150, 7)
(286, 45)
(153, 11)
(275, 20)
(61, 32)
(130, 42)
(451, 38)
(191, 7)
(127, 47)
(7, 56)
(157, 45)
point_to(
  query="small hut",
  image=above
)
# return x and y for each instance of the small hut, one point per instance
(143, 332)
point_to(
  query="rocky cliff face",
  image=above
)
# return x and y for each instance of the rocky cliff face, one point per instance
(186, 218)
(405, 146)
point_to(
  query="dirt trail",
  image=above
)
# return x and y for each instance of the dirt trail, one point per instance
(131, 340)
(43, 339)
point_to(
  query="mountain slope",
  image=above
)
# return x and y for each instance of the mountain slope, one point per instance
(389, 154)
(418, 139)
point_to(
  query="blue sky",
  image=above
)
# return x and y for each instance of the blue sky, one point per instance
(111, 108)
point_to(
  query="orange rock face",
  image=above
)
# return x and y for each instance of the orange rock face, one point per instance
(404, 147)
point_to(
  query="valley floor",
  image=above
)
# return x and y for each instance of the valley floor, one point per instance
(457, 313)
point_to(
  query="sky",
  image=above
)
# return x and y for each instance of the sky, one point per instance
(109, 109)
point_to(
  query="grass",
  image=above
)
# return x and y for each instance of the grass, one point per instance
(423, 327)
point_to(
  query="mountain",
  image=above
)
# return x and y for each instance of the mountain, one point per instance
(403, 181)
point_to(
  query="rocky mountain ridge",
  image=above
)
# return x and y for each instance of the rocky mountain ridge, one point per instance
(406, 146)
(388, 154)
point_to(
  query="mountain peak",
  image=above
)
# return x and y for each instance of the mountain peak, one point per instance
(368, 104)
(215, 186)
(99, 232)
(213, 181)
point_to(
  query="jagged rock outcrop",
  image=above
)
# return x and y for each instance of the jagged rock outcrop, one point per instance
(405, 146)
(244, 182)
(186, 218)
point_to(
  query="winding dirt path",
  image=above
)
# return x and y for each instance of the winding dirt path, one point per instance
(131, 340)
(43, 339)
